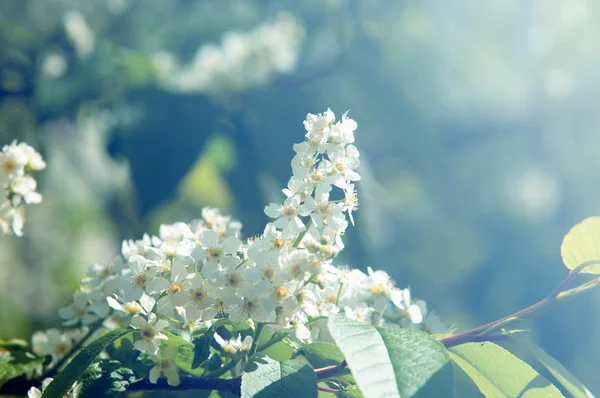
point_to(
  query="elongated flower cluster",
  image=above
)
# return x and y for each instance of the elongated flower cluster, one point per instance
(193, 274)
(17, 185)
(241, 60)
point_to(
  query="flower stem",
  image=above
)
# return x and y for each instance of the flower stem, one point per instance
(257, 333)
(302, 234)
(329, 371)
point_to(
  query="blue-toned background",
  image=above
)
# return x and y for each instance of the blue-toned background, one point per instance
(478, 131)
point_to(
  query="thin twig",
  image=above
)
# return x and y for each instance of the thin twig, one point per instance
(231, 385)
(555, 295)
(328, 371)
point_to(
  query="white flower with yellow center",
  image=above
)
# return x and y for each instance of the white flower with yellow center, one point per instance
(232, 346)
(82, 310)
(149, 332)
(51, 342)
(165, 366)
(288, 216)
(414, 312)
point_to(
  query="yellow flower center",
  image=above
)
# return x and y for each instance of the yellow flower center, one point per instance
(174, 288)
(141, 280)
(268, 273)
(148, 332)
(198, 296)
(9, 165)
(277, 244)
(280, 293)
(215, 253)
(233, 280)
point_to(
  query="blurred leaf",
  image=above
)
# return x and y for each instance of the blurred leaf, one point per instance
(71, 373)
(17, 35)
(498, 373)
(582, 244)
(566, 379)
(137, 66)
(280, 379)
(220, 150)
(392, 362)
(204, 185)
(11, 368)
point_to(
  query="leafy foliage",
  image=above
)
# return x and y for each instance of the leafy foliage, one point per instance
(294, 379)
(580, 245)
(565, 378)
(498, 373)
(321, 354)
(15, 366)
(107, 378)
(185, 354)
(391, 362)
(61, 384)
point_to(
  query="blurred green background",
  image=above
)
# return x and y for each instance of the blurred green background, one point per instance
(478, 132)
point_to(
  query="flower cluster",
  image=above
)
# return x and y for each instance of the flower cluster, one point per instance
(194, 274)
(17, 186)
(242, 60)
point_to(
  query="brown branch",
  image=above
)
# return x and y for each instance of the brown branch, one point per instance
(328, 371)
(534, 309)
(232, 385)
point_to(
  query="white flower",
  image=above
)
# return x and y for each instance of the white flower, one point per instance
(51, 342)
(254, 305)
(234, 345)
(16, 187)
(350, 201)
(73, 392)
(317, 123)
(140, 247)
(34, 159)
(149, 332)
(361, 313)
(380, 282)
(82, 310)
(287, 215)
(11, 219)
(343, 132)
(414, 312)
(165, 365)
(128, 309)
(79, 33)
(13, 160)
(142, 273)
(194, 298)
(216, 251)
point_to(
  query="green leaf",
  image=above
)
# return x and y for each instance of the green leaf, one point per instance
(13, 343)
(11, 367)
(202, 340)
(201, 350)
(63, 381)
(321, 354)
(293, 379)
(106, 378)
(184, 353)
(580, 245)
(388, 362)
(566, 379)
(421, 364)
(498, 373)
